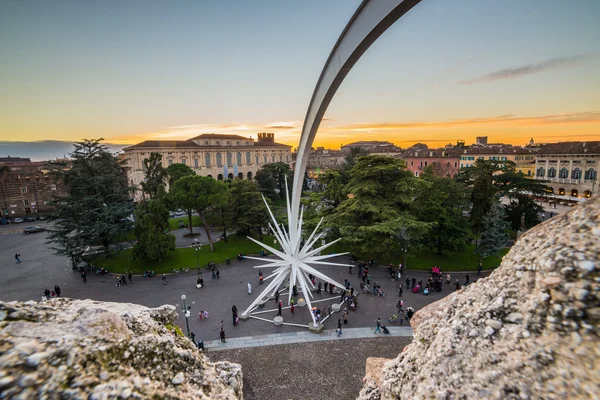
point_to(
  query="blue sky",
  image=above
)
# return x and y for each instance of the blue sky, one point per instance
(147, 69)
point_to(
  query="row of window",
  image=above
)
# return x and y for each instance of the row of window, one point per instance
(208, 162)
(574, 192)
(412, 164)
(564, 173)
(493, 158)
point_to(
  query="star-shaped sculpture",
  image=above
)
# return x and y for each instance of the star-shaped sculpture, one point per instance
(295, 259)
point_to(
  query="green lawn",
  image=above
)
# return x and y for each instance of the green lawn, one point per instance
(465, 261)
(184, 257)
(174, 222)
(424, 260)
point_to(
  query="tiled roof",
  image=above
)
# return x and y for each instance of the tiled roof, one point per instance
(496, 150)
(571, 148)
(163, 143)
(270, 144)
(219, 136)
(412, 153)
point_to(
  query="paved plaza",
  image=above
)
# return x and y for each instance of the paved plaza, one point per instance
(40, 269)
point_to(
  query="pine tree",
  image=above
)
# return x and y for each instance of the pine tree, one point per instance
(494, 237)
(97, 208)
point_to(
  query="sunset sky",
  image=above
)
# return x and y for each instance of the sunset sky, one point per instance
(450, 69)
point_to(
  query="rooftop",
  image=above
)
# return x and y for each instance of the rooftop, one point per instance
(571, 148)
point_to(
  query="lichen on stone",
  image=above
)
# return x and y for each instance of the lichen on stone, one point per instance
(75, 349)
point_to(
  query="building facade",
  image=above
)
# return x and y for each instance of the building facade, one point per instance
(444, 162)
(522, 157)
(570, 168)
(29, 188)
(217, 156)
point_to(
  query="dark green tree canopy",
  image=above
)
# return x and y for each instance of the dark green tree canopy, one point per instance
(271, 179)
(375, 209)
(176, 171)
(247, 206)
(97, 208)
(442, 203)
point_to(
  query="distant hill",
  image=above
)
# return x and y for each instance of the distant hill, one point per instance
(44, 150)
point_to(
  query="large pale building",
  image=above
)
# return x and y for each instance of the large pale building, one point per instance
(214, 155)
(571, 168)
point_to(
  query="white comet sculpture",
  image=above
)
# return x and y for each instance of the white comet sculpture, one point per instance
(371, 19)
(294, 259)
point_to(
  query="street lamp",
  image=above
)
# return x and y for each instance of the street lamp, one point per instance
(187, 314)
(197, 246)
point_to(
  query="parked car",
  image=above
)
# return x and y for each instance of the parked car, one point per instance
(4, 221)
(17, 220)
(33, 229)
(29, 218)
(179, 213)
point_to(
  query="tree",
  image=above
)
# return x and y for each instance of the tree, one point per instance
(271, 179)
(152, 231)
(480, 178)
(522, 212)
(154, 175)
(334, 187)
(177, 171)
(247, 206)
(350, 160)
(494, 237)
(375, 209)
(151, 226)
(221, 213)
(199, 193)
(442, 203)
(97, 208)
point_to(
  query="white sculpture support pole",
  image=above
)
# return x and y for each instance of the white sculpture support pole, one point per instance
(371, 19)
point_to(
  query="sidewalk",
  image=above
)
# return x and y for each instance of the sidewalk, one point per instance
(303, 337)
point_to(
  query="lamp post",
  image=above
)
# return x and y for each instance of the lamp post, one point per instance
(197, 246)
(187, 314)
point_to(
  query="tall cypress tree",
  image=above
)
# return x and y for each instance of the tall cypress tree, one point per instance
(95, 212)
(152, 216)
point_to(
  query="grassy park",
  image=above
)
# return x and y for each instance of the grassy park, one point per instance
(182, 257)
(425, 259)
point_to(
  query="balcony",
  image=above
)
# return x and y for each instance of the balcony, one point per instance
(560, 180)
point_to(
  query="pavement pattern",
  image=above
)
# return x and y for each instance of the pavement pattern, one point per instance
(304, 337)
(41, 269)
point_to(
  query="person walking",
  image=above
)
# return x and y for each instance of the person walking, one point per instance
(17, 255)
(468, 279)
(345, 315)
(47, 294)
(279, 305)
(234, 312)
(350, 270)
(368, 279)
(84, 276)
(329, 310)
(291, 307)
(164, 279)
(339, 329)
(325, 286)
(319, 288)
(218, 275)
(400, 291)
(277, 296)
(448, 279)
(407, 282)
(378, 328)
(57, 290)
(130, 276)
(222, 335)
(414, 281)
(249, 288)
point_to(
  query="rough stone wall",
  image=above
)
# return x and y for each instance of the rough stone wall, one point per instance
(528, 331)
(83, 349)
